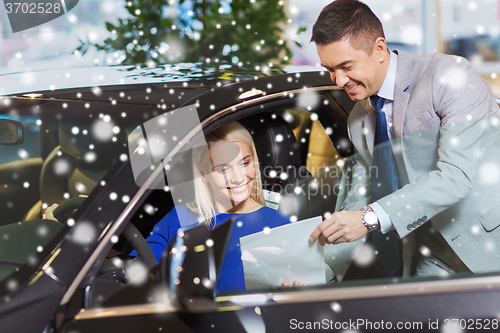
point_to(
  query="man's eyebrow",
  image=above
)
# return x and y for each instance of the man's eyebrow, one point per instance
(339, 65)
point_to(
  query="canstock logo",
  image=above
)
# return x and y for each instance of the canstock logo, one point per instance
(28, 14)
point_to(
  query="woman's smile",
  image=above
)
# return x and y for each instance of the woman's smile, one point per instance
(239, 189)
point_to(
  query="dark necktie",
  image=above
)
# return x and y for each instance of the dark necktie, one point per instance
(384, 182)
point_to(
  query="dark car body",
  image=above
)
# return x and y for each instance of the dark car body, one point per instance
(59, 287)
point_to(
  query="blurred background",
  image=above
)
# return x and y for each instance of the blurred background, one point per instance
(113, 32)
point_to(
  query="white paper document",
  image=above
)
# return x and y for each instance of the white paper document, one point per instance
(285, 253)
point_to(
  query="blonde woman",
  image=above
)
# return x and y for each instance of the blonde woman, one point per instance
(225, 186)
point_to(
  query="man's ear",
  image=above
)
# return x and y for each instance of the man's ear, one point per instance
(380, 48)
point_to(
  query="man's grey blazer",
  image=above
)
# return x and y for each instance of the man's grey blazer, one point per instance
(447, 127)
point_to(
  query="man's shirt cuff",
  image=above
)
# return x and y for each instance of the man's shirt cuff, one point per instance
(383, 218)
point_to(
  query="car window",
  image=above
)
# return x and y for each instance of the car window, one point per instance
(299, 167)
(49, 159)
(31, 148)
(20, 163)
(302, 156)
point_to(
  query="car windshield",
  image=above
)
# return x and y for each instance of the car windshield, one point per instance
(50, 154)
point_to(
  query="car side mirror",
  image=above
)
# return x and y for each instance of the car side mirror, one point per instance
(190, 266)
(11, 132)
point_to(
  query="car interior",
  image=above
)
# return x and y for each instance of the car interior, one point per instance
(75, 166)
(59, 159)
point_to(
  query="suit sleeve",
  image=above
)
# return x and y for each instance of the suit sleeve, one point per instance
(462, 100)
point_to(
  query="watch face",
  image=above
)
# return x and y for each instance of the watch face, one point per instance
(371, 218)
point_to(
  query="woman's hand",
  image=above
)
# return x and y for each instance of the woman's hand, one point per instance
(296, 283)
(49, 213)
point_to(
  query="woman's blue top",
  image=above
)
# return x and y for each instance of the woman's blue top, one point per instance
(231, 276)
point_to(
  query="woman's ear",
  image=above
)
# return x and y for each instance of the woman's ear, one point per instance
(202, 174)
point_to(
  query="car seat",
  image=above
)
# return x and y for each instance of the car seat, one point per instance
(84, 155)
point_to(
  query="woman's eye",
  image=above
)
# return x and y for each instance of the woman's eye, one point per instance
(222, 170)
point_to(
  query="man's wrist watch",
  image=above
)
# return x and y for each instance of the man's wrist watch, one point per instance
(370, 219)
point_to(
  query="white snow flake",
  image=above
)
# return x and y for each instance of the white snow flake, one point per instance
(424, 250)
(84, 233)
(489, 173)
(336, 307)
(365, 256)
(23, 154)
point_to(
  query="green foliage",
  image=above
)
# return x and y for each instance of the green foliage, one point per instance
(162, 31)
(299, 31)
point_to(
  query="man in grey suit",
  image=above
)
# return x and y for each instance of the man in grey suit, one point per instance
(441, 120)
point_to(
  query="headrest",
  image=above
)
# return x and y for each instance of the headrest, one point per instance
(277, 148)
(93, 145)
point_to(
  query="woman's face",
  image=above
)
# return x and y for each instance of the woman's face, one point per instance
(231, 174)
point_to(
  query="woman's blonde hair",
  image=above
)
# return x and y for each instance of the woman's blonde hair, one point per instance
(204, 201)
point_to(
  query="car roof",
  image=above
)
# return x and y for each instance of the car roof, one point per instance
(164, 87)
(80, 77)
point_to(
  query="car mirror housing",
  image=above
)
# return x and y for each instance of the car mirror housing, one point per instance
(190, 266)
(11, 132)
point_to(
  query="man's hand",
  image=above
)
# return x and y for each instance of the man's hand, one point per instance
(340, 227)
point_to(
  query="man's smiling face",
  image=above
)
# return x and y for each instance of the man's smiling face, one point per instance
(360, 74)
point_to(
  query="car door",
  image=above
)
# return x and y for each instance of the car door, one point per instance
(308, 131)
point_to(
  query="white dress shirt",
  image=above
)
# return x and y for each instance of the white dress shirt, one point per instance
(386, 91)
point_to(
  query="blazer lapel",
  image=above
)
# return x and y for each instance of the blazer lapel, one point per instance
(369, 122)
(401, 96)
(401, 99)
(361, 128)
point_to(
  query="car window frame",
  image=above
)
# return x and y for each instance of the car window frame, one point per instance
(237, 111)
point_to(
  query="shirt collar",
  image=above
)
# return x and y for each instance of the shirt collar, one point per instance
(387, 89)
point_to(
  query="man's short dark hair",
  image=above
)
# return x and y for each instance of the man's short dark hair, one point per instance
(348, 20)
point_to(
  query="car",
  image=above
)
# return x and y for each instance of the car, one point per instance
(84, 138)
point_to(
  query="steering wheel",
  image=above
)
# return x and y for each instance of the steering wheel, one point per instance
(133, 236)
